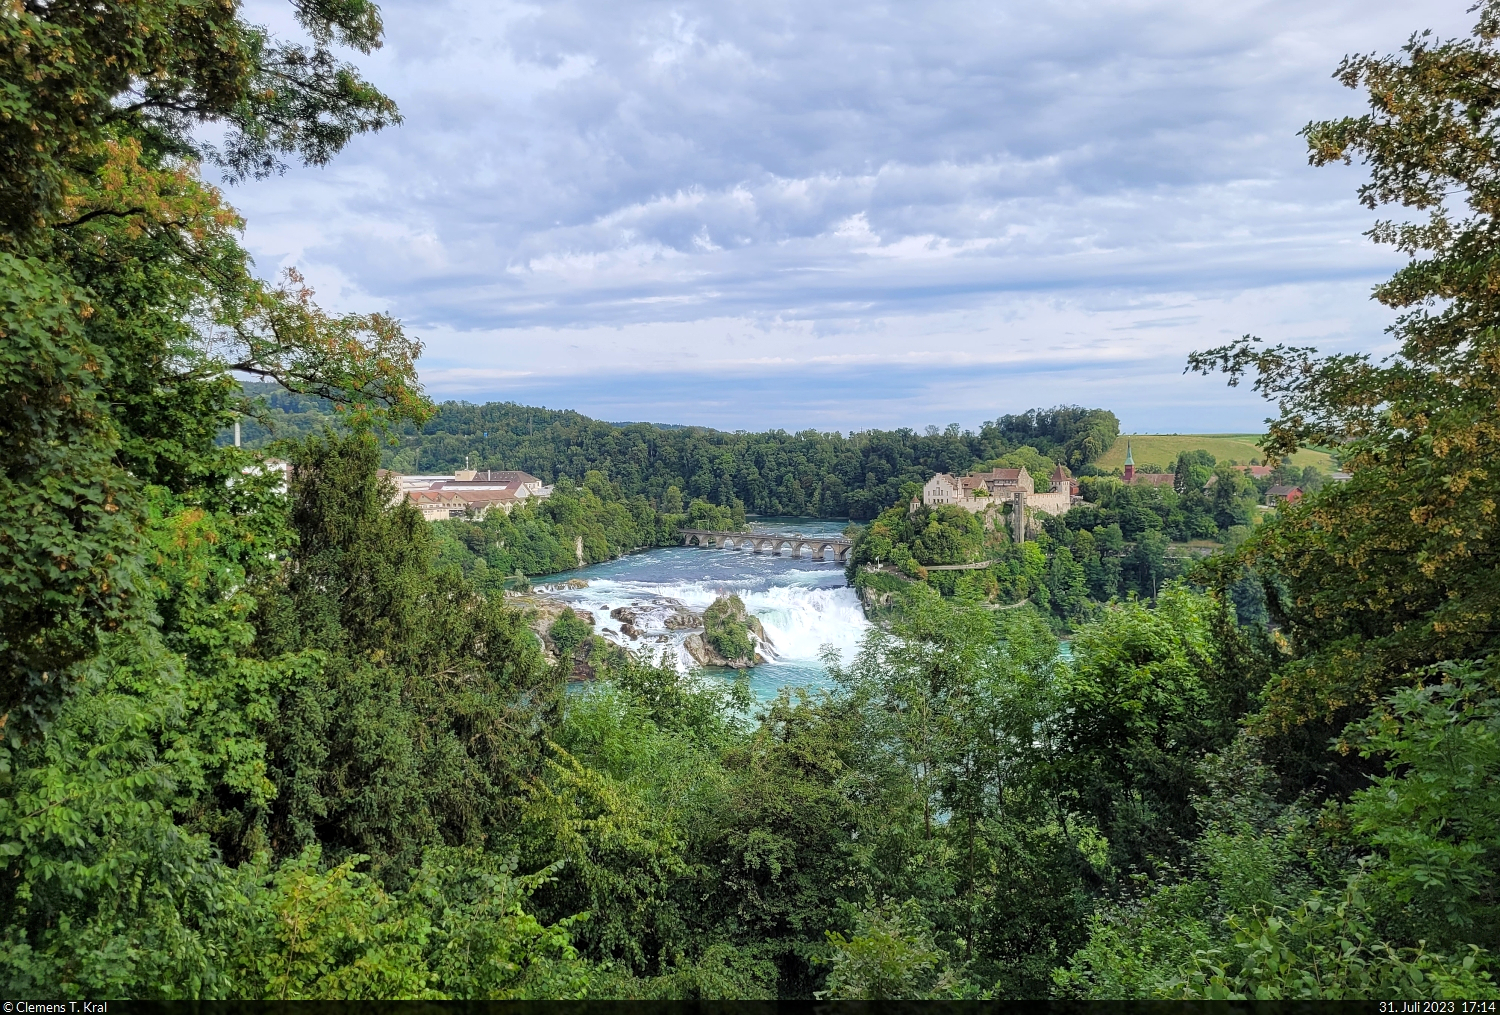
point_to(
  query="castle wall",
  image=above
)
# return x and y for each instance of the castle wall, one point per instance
(944, 489)
(1050, 503)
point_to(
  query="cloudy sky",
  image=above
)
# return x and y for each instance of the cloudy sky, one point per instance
(848, 214)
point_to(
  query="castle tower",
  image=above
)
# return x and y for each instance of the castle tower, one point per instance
(1129, 464)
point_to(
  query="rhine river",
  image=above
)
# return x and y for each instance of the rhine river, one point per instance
(802, 603)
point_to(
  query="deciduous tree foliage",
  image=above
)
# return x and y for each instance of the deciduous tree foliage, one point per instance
(422, 720)
(1395, 569)
(828, 475)
(1309, 881)
(126, 296)
(271, 735)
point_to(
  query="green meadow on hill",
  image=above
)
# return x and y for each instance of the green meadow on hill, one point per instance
(1163, 449)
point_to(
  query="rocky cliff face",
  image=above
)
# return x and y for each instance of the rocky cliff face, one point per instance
(705, 654)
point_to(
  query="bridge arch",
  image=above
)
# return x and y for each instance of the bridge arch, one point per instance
(773, 543)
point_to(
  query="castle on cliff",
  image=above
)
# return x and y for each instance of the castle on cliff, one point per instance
(982, 491)
(979, 491)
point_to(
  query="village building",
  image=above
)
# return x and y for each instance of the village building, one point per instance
(436, 505)
(942, 489)
(1277, 494)
(1061, 476)
(468, 493)
(522, 484)
(1133, 478)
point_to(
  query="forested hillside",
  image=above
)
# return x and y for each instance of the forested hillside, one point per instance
(271, 744)
(776, 473)
(575, 526)
(1120, 541)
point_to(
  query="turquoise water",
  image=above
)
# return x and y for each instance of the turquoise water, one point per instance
(802, 603)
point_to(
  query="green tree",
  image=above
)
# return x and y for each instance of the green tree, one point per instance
(1395, 568)
(1136, 714)
(890, 956)
(414, 731)
(157, 758)
(112, 254)
(1147, 563)
(569, 631)
(1231, 497)
(1434, 817)
(945, 714)
(1067, 585)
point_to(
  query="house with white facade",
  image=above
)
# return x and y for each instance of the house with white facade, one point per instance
(468, 493)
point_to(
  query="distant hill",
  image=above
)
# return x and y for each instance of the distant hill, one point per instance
(1162, 450)
(285, 416)
(827, 475)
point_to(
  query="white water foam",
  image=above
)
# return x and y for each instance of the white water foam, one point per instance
(799, 620)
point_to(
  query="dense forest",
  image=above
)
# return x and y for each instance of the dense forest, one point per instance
(576, 525)
(1121, 541)
(814, 474)
(267, 743)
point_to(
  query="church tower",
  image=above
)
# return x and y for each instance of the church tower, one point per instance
(1129, 464)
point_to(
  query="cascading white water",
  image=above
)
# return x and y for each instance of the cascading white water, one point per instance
(802, 603)
(802, 621)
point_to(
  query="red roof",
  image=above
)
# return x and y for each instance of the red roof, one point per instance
(1003, 477)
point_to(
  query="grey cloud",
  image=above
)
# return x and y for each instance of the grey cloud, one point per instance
(583, 163)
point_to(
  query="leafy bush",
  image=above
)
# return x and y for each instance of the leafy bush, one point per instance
(725, 627)
(568, 631)
(889, 956)
(1327, 951)
(1434, 817)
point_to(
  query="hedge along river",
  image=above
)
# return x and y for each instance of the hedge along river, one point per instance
(802, 603)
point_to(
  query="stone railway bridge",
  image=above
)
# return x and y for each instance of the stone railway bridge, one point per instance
(770, 542)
